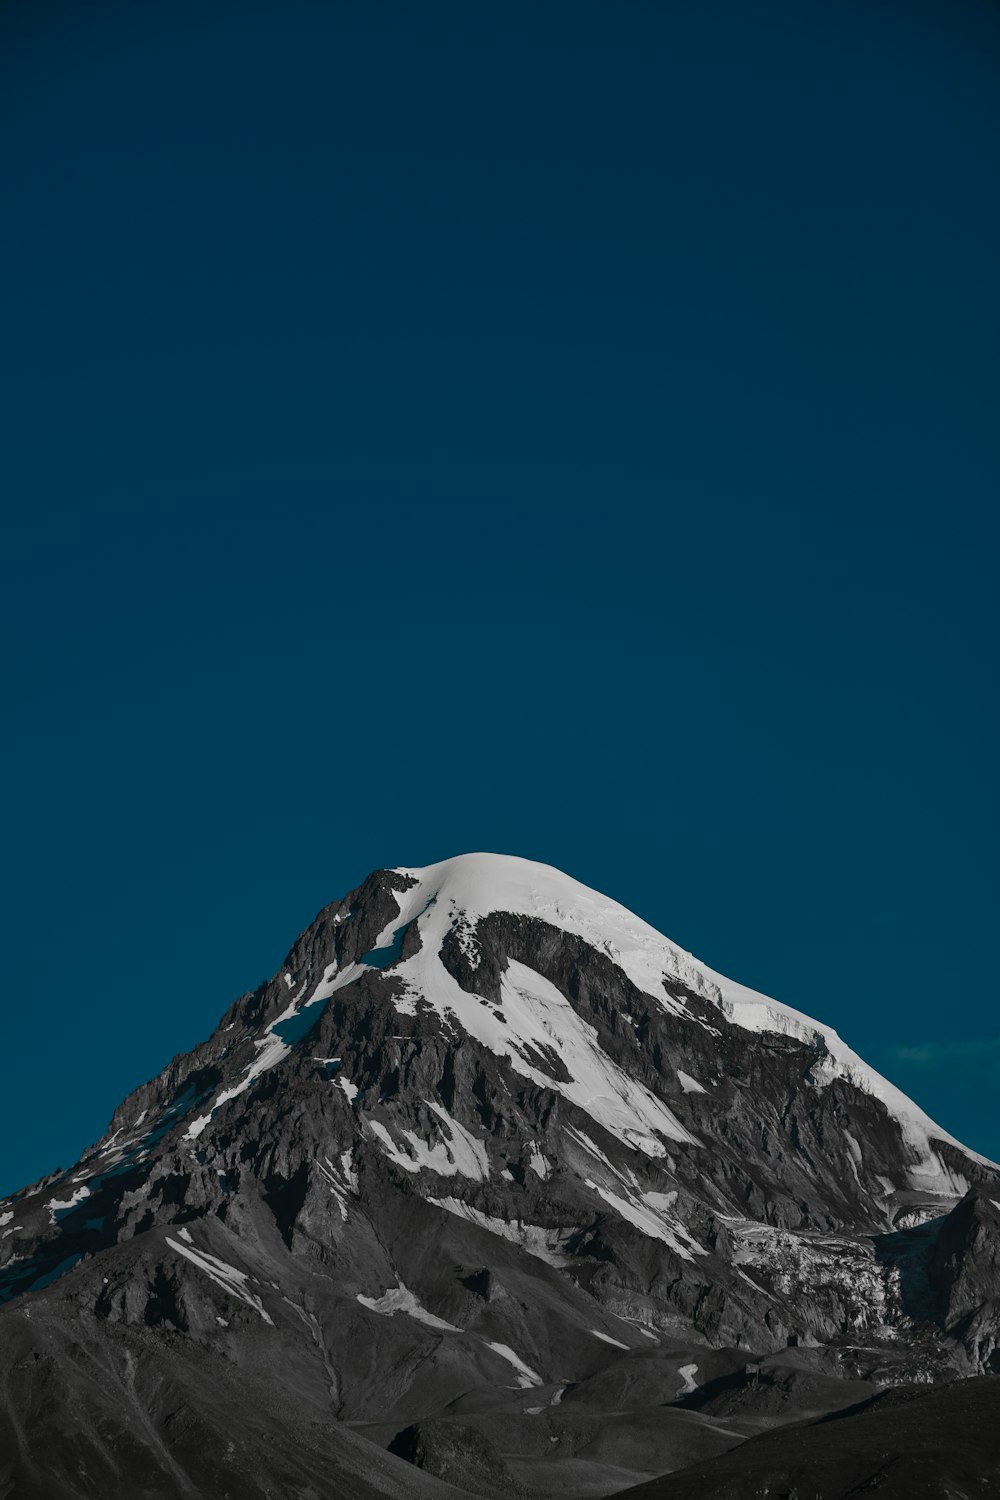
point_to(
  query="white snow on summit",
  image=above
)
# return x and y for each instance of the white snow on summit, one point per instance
(535, 1020)
(456, 892)
(473, 885)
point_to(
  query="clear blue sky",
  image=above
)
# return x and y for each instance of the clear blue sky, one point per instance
(568, 430)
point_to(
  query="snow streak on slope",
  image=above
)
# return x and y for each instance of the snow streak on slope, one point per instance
(527, 1378)
(224, 1275)
(400, 1299)
(539, 1014)
(456, 1153)
(542, 1243)
(457, 892)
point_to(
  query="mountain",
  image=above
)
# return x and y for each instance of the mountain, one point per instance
(490, 1190)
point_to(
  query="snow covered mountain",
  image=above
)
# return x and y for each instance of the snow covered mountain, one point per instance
(490, 1189)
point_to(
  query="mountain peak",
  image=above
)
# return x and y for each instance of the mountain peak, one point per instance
(489, 1147)
(471, 886)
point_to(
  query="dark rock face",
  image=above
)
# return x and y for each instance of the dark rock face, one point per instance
(964, 1276)
(487, 1190)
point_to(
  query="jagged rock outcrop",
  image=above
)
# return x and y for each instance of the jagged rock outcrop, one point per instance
(964, 1276)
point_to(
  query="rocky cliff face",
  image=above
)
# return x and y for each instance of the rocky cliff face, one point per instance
(480, 1190)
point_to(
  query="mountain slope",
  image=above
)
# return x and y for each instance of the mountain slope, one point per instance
(492, 1173)
(913, 1443)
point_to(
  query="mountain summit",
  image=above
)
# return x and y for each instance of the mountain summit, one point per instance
(491, 1189)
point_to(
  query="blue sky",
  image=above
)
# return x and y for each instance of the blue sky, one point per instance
(565, 430)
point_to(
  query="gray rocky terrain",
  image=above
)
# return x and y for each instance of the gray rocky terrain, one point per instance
(490, 1191)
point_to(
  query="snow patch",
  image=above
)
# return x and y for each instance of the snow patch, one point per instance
(538, 1163)
(457, 1153)
(350, 1089)
(688, 1084)
(400, 1300)
(661, 1203)
(687, 1374)
(527, 1377)
(57, 1206)
(609, 1340)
